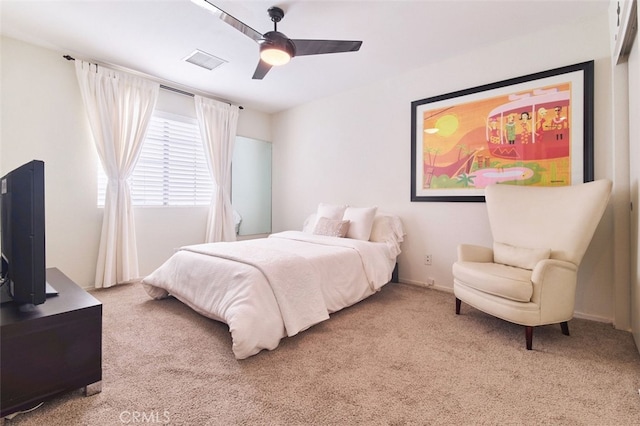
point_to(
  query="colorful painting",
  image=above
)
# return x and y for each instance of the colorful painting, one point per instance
(533, 130)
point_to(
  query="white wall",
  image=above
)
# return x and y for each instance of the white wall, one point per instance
(354, 148)
(42, 117)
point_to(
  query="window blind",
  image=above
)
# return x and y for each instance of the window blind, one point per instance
(172, 169)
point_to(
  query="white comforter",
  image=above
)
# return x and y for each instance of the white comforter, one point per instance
(269, 288)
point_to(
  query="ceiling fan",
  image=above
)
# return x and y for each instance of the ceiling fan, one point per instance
(275, 47)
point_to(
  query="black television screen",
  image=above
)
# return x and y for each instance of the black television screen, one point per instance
(23, 235)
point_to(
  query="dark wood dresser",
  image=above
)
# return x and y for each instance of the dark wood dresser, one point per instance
(55, 348)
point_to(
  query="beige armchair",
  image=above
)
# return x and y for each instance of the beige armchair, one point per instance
(540, 236)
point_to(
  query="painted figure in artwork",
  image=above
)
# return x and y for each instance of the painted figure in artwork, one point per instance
(524, 124)
(540, 124)
(510, 129)
(494, 131)
(558, 122)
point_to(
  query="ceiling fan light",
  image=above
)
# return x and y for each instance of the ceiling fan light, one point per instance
(274, 56)
(276, 49)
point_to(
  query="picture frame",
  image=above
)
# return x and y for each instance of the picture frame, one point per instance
(531, 130)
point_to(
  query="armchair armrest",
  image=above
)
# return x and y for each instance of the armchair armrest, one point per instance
(473, 253)
(554, 289)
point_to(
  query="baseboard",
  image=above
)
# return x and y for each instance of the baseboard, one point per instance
(590, 317)
(425, 285)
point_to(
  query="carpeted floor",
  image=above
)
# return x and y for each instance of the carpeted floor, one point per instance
(399, 357)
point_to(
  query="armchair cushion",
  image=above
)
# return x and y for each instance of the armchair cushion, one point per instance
(493, 278)
(520, 257)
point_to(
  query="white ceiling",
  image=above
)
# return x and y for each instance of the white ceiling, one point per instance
(153, 37)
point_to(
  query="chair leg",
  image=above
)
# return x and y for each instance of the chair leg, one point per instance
(528, 333)
(458, 303)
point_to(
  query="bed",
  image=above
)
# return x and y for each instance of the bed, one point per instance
(269, 288)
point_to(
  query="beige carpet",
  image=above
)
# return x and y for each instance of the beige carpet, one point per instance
(400, 357)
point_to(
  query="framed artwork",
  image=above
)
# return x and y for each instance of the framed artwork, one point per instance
(531, 130)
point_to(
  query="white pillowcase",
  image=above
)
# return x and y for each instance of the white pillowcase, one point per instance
(361, 221)
(330, 211)
(310, 223)
(387, 229)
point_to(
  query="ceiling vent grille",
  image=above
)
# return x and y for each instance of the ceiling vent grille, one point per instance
(204, 60)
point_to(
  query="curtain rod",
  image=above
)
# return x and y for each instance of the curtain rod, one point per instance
(162, 86)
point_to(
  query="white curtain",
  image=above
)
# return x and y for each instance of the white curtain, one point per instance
(119, 107)
(218, 123)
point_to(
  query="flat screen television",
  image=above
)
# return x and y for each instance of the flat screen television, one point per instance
(23, 271)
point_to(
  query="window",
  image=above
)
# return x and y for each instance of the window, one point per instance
(172, 169)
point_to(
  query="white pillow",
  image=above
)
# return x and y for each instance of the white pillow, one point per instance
(310, 223)
(521, 257)
(361, 219)
(330, 211)
(387, 229)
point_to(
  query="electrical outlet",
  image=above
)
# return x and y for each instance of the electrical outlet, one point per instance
(431, 282)
(427, 259)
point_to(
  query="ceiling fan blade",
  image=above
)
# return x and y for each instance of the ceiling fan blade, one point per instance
(261, 70)
(235, 23)
(318, 47)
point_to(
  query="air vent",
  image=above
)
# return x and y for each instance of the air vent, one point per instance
(204, 60)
